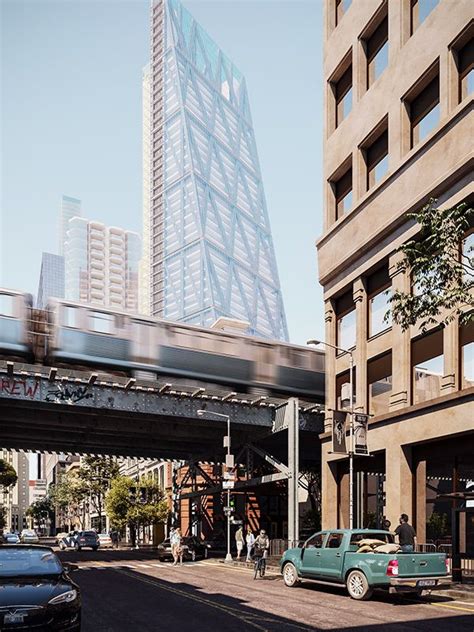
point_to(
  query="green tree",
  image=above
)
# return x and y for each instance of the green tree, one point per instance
(68, 496)
(41, 510)
(135, 504)
(8, 475)
(442, 268)
(96, 474)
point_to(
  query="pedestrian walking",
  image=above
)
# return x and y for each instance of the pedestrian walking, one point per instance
(406, 535)
(176, 547)
(114, 536)
(239, 541)
(249, 541)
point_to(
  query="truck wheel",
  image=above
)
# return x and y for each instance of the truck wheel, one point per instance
(290, 575)
(358, 586)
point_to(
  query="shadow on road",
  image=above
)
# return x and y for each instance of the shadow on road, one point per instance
(142, 602)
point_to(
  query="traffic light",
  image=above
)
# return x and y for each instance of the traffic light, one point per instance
(232, 502)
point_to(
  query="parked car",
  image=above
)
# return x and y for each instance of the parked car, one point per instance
(29, 536)
(36, 591)
(80, 540)
(193, 548)
(105, 541)
(60, 536)
(11, 538)
(364, 559)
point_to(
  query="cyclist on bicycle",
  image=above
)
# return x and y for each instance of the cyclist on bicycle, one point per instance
(261, 544)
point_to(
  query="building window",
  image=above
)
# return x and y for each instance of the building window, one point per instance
(376, 155)
(424, 111)
(379, 378)
(101, 323)
(420, 10)
(377, 52)
(379, 292)
(342, 188)
(341, 8)
(467, 355)
(428, 366)
(343, 95)
(346, 321)
(465, 64)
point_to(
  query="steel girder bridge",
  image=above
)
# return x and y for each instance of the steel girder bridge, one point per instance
(81, 412)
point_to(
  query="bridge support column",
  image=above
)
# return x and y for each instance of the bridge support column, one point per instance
(292, 418)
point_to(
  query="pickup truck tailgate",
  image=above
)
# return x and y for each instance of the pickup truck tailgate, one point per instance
(421, 564)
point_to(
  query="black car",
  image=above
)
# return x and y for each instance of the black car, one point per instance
(80, 540)
(193, 548)
(36, 591)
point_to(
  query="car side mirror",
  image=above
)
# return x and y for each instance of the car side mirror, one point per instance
(69, 568)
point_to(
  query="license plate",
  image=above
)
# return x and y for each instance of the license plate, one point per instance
(14, 618)
(426, 582)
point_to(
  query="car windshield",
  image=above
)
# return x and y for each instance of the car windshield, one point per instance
(24, 561)
(89, 534)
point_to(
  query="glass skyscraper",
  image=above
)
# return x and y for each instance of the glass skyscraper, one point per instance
(51, 283)
(210, 247)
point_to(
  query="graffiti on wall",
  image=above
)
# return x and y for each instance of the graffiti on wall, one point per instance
(15, 387)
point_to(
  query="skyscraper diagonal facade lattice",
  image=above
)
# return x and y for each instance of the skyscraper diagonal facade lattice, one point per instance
(210, 251)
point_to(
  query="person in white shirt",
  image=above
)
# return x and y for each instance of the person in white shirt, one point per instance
(250, 541)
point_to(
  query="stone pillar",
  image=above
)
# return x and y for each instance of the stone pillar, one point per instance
(420, 502)
(329, 489)
(401, 372)
(360, 355)
(398, 482)
(451, 378)
(343, 519)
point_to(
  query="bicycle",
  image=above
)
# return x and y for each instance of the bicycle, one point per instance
(260, 565)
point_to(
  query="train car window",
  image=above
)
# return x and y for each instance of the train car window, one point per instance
(6, 305)
(70, 316)
(101, 323)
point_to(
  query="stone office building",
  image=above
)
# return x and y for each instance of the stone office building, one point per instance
(399, 84)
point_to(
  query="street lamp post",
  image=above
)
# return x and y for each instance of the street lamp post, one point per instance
(228, 557)
(351, 424)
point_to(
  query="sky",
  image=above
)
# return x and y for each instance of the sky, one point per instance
(70, 98)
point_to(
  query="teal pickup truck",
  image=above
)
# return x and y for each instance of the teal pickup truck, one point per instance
(363, 559)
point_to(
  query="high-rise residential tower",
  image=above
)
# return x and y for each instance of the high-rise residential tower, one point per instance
(51, 283)
(399, 86)
(210, 246)
(144, 274)
(101, 264)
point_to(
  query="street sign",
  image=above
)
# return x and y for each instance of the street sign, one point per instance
(228, 484)
(229, 475)
(228, 510)
(237, 521)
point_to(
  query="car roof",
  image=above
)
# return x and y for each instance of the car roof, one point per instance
(355, 531)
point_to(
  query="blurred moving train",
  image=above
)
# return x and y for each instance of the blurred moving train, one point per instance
(79, 336)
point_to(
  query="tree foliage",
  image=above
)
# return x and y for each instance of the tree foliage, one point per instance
(442, 268)
(68, 495)
(135, 504)
(41, 510)
(96, 475)
(8, 475)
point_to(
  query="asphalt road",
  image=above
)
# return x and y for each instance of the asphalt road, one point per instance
(129, 591)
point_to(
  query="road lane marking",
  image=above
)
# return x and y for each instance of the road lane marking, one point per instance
(144, 565)
(448, 605)
(234, 612)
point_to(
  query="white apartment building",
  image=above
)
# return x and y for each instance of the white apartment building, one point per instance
(101, 264)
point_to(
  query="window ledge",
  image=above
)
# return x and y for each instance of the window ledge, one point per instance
(380, 334)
